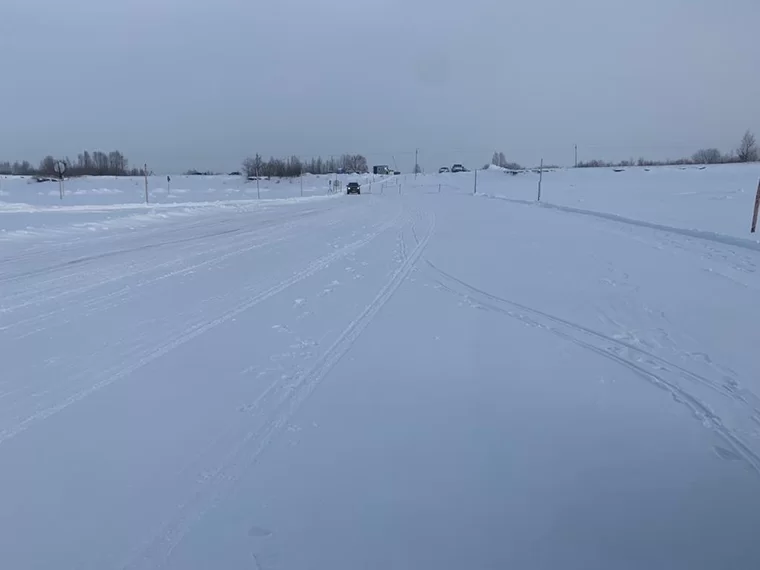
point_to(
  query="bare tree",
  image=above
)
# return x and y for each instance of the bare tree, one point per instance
(253, 166)
(47, 166)
(747, 151)
(707, 156)
(117, 164)
(249, 167)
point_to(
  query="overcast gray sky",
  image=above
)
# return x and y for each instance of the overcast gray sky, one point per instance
(203, 83)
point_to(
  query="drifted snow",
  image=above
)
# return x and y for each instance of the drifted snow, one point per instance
(420, 379)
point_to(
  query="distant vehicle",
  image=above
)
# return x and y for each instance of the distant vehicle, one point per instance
(396, 172)
(443, 169)
(381, 169)
(458, 168)
(353, 188)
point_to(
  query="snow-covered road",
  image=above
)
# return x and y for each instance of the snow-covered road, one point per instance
(425, 380)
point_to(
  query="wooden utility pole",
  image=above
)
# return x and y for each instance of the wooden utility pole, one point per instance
(757, 207)
(540, 178)
(145, 173)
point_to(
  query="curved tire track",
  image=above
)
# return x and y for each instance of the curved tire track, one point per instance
(698, 408)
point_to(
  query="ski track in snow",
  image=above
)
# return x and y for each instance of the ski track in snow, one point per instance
(651, 367)
(312, 282)
(195, 330)
(278, 403)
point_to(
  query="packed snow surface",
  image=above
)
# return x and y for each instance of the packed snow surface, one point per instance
(417, 377)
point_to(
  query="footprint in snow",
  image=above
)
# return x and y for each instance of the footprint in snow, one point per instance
(304, 343)
(259, 532)
(298, 303)
(329, 289)
(726, 454)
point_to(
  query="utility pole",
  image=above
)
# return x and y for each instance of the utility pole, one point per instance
(475, 189)
(576, 156)
(540, 178)
(416, 164)
(301, 181)
(258, 190)
(145, 172)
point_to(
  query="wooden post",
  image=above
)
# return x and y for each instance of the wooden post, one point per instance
(540, 178)
(757, 207)
(145, 172)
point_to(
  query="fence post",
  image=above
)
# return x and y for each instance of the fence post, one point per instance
(540, 178)
(757, 206)
(475, 190)
(145, 172)
(60, 170)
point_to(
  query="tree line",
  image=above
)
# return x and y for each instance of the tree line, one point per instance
(499, 159)
(97, 163)
(747, 151)
(256, 166)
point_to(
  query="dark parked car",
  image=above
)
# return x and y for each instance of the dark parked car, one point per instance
(458, 168)
(353, 188)
(443, 169)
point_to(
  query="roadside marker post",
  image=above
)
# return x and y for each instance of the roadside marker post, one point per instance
(540, 178)
(145, 172)
(757, 207)
(475, 189)
(258, 188)
(60, 170)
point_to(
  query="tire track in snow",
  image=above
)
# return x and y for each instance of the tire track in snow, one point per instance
(699, 234)
(39, 296)
(91, 303)
(699, 409)
(189, 334)
(216, 485)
